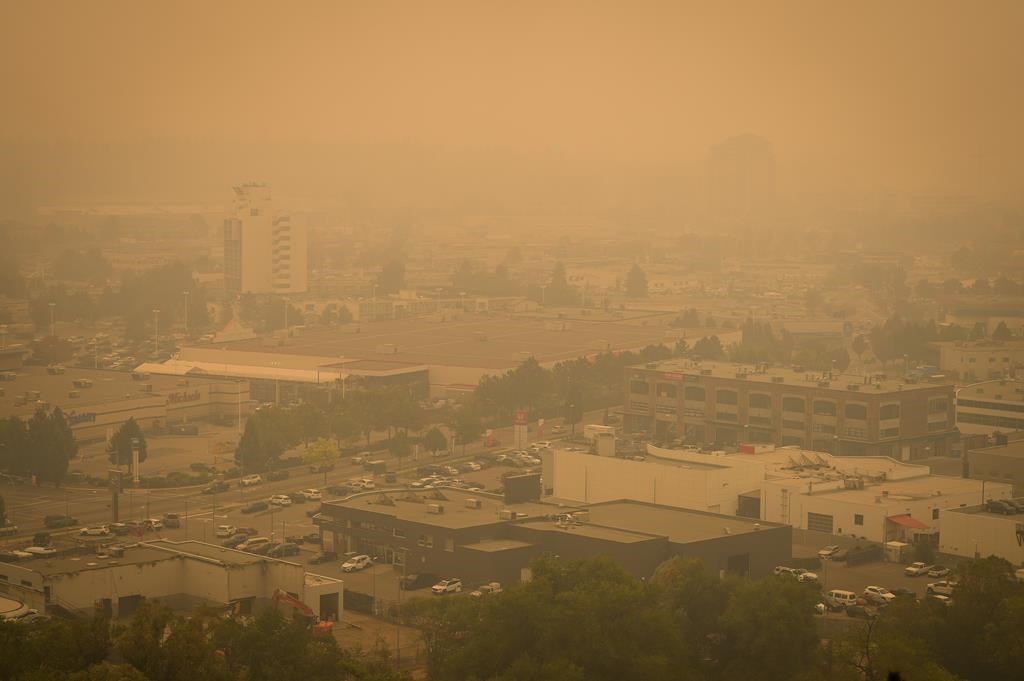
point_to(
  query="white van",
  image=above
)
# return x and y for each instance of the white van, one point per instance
(843, 597)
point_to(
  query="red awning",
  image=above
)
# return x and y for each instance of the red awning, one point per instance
(907, 521)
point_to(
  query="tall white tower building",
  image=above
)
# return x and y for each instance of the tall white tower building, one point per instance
(264, 252)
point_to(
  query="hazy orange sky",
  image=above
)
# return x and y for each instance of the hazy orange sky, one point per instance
(917, 95)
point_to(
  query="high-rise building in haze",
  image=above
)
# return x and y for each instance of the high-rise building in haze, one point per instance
(264, 251)
(741, 181)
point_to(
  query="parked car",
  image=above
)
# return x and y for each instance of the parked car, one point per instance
(321, 468)
(172, 520)
(859, 611)
(807, 577)
(324, 557)
(842, 597)
(8, 530)
(216, 487)
(234, 541)
(1000, 506)
(57, 521)
(250, 480)
(1016, 503)
(119, 529)
(390, 477)
(225, 530)
(878, 594)
(252, 542)
(248, 531)
(153, 524)
(201, 467)
(447, 586)
(255, 507)
(917, 569)
(283, 550)
(368, 483)
(900, 591)
(274, 476)
(280, 500)
(339, 490)
(313, 538)
(94, 531)
(783, 570)
(941, 598)
(938, 571)
(944, 588)
(489, 588)
(311, 494)
(827, 552)
(297, 497)
(356, 563)
(417, 581)
(263, 549)
(40, 550)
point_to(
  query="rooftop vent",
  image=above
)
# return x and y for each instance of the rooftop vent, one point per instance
(506, 514)
(436, 509)
(473, 503)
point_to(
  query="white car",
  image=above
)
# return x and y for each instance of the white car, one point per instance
(541, 444)
(878, 594)
(447, 586)
(491, 588)
(355, 563)
(311, 494)
(368, 484)
(41, 550)
(828, 552)
(154, 523)
(280, 500)
(97, 531)
(226, 531)
(943, 588)
(252, 542)
(250, 480)
(917, 569)
(806, 576)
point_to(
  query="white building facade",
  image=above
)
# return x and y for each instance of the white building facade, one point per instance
(990, 406)
(264, 251)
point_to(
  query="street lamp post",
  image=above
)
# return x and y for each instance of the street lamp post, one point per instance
(277, 383)
(185, 293)
(53, 331)
(156, 332)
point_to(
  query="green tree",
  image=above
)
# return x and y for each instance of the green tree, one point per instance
(14, 445)
(769, 633)
(467, 424)
(323, 453)
(1002, 333)
(399, 446)
(167, 647)
(343, 426)
(3, 512)
(434, 440)
(859, 345)
(636, 282)
(53, 445)
(709, 348)
(120, 448)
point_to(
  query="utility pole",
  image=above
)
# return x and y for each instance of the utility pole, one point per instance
(185, 293)
(156, 332)
(53, 331)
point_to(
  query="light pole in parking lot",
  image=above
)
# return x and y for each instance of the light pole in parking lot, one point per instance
(156, 332)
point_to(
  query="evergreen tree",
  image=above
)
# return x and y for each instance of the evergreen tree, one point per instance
(120, 447)
(636, 282)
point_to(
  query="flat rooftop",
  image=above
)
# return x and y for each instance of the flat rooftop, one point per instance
(593, 531)
(107, 386)
(1013, 449)
(198, 549)
(788, 376)
(496, 545)
(414, 506)
(980, 510)
(910, 489)
(136, 555)
(679, 525)
(478, 341)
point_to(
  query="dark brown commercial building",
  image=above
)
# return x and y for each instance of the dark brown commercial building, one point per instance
(728, 404)
(1001, 463)
(479, 538)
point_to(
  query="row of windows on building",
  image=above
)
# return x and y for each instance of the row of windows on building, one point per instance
(852, 410)
(424, 540)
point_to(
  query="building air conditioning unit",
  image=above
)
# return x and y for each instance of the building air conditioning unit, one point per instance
(473, 503)
(436, 509)
(506, 514)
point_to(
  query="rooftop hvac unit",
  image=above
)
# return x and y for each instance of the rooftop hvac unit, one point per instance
(506, 514)
(473, 503)
(581, 516)
(436, 509)
(778, 379)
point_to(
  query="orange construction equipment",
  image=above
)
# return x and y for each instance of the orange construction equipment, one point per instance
(320, 628)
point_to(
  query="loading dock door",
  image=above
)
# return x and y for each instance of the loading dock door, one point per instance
(329, 607)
